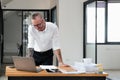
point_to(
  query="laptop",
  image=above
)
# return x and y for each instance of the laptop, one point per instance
(25, 64)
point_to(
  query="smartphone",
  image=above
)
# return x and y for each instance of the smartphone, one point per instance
(52, 70)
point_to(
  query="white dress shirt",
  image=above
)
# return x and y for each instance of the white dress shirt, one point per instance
(43, 40)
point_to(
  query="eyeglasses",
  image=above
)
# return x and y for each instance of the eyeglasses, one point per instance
(38, 25)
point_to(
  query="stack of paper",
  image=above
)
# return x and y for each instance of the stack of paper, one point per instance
(70, 71)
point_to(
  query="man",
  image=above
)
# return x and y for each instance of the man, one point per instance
(43, 41)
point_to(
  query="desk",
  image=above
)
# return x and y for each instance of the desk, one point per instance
(14, 74)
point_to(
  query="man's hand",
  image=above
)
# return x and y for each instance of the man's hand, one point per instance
(59, 57)
(64, 65)
(30, 52)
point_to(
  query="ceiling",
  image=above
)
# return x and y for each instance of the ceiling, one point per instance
(4, 2)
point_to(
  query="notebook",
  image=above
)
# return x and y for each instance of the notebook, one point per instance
(25, 64)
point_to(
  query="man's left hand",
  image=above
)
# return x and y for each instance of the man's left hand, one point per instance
(64, 65)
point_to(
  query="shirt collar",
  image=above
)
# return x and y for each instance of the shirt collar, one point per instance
(45, 27)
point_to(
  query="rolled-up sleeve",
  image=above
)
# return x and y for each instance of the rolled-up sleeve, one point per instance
(30, 38)
(56, 40)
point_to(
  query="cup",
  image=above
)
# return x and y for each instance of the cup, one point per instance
(87, 60)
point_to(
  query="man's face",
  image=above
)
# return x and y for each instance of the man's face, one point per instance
(38, 23)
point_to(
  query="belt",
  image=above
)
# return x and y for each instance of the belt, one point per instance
(44, 52)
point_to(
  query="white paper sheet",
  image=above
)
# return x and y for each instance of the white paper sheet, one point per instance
(48, 67)
(71, 72)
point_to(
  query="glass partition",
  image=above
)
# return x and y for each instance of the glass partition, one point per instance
(12, 20)
(94, 25)
(90, 30)
(15, 32)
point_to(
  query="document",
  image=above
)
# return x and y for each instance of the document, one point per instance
(70, 70)
(48, 67)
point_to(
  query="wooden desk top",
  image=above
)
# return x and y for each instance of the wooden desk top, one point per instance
(14, 72)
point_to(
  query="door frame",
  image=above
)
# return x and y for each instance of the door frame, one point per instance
(22, 10)
(1, 35)
(84, 28)
(84, 25)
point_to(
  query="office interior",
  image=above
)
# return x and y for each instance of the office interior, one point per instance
(83, 26)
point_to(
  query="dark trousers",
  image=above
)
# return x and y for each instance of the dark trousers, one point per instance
(43, 58)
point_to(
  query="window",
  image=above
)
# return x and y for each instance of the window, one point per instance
(100, 25)
(110, 33)
(91, 23)
(105, 20)
(113, 22)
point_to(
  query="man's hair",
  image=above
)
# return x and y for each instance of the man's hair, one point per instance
(36, 14)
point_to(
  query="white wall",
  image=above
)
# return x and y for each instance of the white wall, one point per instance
(53, 3)
(109, 56)
(28, 4)
(70, 20)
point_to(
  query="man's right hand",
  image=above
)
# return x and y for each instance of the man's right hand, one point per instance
(30, 52)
